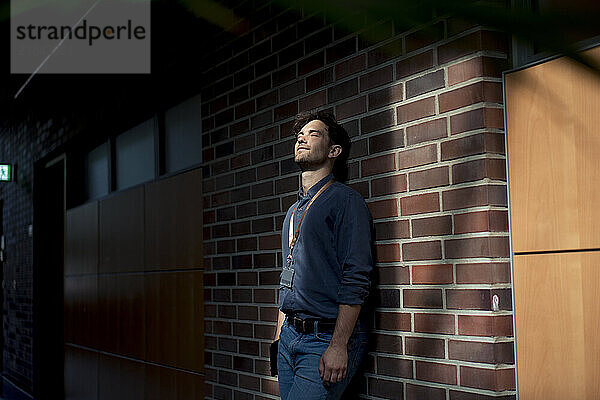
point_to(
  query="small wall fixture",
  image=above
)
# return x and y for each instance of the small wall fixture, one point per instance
(6, 173)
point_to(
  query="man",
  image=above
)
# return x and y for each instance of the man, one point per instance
(326, 243)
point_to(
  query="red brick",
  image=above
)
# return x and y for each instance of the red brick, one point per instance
(292, 90)
(428, 178)
(419, 156)
(378, 165)
(270, 314)
(244, 143)
(267, 171)
(422, 298)
(392, 275)
(386, 96)
(425, 347)
(376, 78)
(432, 226)
(481, 352)
(437, 274)
(386, 141)
(477, 41)
(434, 323)
(481, 325)
(473, 144)
(387, 252)
(249, 382)
(422, 203)
(394, 367)
(392, 230)
(483, 273)
(375, 122)
(391, 344)
(481, 221)
(390, 321)
(385, 53)
(319, 79)
(391, 390)
(270, 242)
(388, 185)
(488, 379)
(343, 90)
(383, 208)
(476, 67)
(313, 101)
(474, 196)
(361, 187)
(477, 247)
(244, 109)
(416, 392)
(341, 50)
(436, 372)
(490, 92)
(468, 299)
(286, 110)
(424, 37)
(415, 64)
(491, 168)
(426, 83)
(351, 108)
(350, 67)
(416, 110)
(477, 119)
(266, 100)
(431, 250)
(270, 387)
(426, 131)
(247, 278)
(309, 64)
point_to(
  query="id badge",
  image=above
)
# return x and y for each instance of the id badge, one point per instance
(287, 277)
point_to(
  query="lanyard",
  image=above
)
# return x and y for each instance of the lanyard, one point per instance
(292, 239)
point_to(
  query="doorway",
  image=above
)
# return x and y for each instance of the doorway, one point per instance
(48, 287)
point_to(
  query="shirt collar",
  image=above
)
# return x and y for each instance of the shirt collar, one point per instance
(315, 188)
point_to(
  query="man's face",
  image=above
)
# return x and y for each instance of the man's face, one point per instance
(312, 145)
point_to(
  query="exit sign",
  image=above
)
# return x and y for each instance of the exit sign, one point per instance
(5, 172)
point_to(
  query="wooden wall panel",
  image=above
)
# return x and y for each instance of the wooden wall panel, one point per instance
(174, 319)
(127, 318)
(122, 232)
(174, 222)
(164, 383)
(81, 240)
(81, 374)
(122, 314)
(553, 117)
(81, 310)
(557, 309)
(120, 378)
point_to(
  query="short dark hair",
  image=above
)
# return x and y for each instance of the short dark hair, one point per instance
(337, 135)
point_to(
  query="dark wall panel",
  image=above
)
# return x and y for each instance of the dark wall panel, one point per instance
(81, 240)
(122, 231)
(174, 223)
(81, 374)
(174, 319)
(81, 310)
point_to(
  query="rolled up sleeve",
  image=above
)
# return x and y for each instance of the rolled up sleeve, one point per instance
(354, 244)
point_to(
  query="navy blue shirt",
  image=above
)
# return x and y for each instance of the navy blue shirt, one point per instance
(332, 257)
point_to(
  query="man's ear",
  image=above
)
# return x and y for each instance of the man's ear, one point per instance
(334, 151)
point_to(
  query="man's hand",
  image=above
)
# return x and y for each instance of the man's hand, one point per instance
(333, 364)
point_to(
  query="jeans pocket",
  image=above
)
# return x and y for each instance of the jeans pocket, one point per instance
(324, 337)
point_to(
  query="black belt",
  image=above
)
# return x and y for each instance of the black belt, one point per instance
(307, 325)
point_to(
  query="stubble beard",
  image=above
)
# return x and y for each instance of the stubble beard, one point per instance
(309, 162)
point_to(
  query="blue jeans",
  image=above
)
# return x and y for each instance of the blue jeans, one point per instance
(298, 363)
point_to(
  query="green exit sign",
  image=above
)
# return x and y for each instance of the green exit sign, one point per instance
(5, 172)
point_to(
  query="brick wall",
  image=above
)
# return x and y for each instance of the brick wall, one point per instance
(22, 143)
(424, 109)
